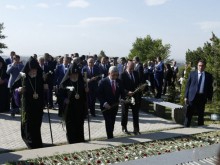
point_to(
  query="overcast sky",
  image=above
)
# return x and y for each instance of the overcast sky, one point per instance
(89, 26)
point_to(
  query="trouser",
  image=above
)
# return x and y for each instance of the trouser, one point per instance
(196, 107)
(91, 101)
(135, 114)
(159, 85)
(109, 116)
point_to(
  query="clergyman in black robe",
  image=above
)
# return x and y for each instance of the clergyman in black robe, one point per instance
(30, 85)
(4, 101)
(73, 93)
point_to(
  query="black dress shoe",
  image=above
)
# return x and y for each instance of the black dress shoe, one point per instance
(137, 133)
(124, 129)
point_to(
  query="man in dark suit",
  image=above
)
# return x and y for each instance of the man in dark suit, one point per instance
(104, 67)
(60, 71)
(49, 68)
(158, 77)
(109, 91)
(93, 76)
(138, 67)
(131, 81)
(199, 90)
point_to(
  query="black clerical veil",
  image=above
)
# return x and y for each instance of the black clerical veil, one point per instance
(73, 68)
(32, 63)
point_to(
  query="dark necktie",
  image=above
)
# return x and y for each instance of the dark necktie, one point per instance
(132, 78)
(91, 71)
(113, 87)
(200, 82)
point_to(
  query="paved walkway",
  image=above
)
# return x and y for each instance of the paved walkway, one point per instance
(10, 138)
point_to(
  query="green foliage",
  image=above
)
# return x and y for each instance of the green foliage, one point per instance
(213, 66)
(102, 53)
(2, 45)
(172, 92)
(186, 75)
(148, 49)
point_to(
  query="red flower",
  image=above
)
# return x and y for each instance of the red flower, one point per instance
(97, 154)
(75, 157)
(126, 157)
(159, 153)
(145, 155)
(98, 161)
(65, 158)
(108, 161)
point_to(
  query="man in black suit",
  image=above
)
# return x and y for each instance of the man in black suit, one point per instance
(138, 67)
(93, 76)
(104, 67)
(131, 81)
(48, 70)
(109, 91)
(199, 90)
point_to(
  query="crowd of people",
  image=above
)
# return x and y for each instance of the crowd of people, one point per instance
(78, 81)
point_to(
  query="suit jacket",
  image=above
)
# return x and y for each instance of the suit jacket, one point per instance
(127, 82)
(159, 71)
(105, 93)
(13, 71)
(8, 61)
(59, 73)
(140, 69)
(50, 67)
(192, 85)
(92, 84)
(104, 70)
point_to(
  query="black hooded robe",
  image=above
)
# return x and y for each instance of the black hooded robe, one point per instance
(4, 91)
(31, 108)
(74, 112)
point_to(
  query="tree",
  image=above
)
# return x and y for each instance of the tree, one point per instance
(148, 49)
(2, 45)
(101, 54)
(213, 63)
